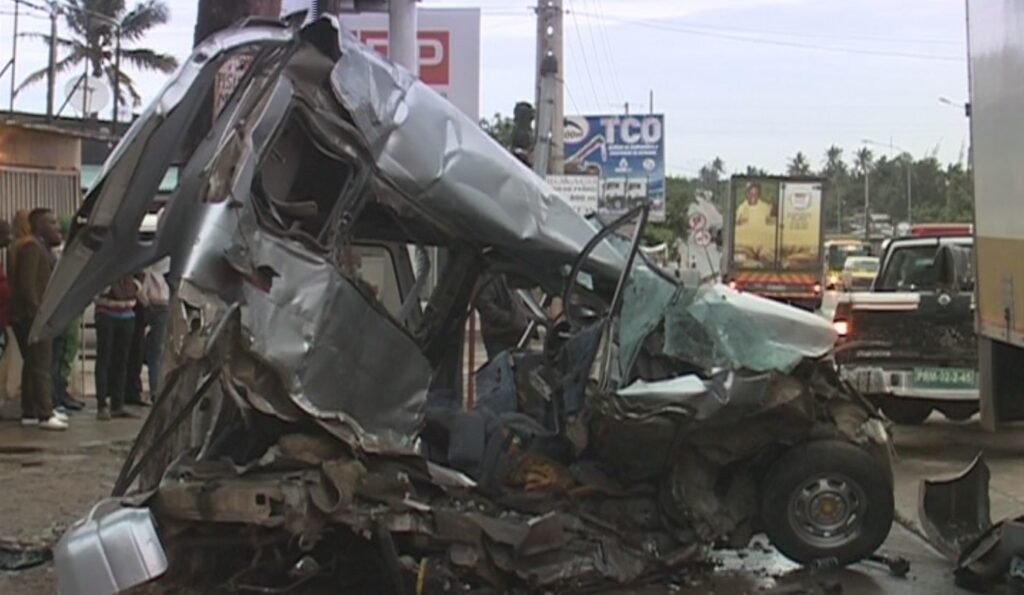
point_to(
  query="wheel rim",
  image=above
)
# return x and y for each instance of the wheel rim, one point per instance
(827, 511)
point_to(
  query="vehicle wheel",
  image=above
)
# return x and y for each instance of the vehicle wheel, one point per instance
(906, 411)
(827, 501)
(959, 411)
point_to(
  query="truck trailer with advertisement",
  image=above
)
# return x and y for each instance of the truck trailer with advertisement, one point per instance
(995, 34)
(775, 238)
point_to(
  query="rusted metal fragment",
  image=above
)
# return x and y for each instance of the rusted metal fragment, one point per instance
(955, 511)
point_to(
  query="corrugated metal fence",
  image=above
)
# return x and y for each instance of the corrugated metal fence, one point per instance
(32, 188)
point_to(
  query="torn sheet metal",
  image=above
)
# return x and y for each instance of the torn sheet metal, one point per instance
(955, 511)
(727, 396)
(455, 171)
(986, 560)
(312, 327)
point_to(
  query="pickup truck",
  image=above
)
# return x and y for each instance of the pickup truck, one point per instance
(909, 344)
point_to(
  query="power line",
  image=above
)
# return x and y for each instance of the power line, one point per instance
(27, 15)
(609, 55)
(572, 100)
(31, 5)
(811, 34)
(583, 58)
(597, 54)
(791, 44)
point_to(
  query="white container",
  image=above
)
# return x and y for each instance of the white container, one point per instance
(102, 555)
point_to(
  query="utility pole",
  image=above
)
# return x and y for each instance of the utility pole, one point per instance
(214, 15)
(14, 55)
(403, 44)
(117, 78)
(867, 205)
(549, 152)
(51, 66)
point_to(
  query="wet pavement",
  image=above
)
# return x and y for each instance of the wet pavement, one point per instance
(52, 478)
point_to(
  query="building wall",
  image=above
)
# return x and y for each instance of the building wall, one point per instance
(24, 147)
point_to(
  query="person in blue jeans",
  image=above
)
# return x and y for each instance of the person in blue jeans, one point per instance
(115, 325)
(147, 347)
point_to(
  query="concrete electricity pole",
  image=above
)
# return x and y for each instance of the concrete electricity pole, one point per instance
(403, 44)
(214, 15)
(549, 151)
(867, 205)
(51, 64)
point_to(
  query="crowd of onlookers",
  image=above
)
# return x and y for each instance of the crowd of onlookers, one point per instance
(130, 322)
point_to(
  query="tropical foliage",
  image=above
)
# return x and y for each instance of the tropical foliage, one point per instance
(92, 41)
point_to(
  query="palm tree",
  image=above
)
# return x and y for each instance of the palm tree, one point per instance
(93, 42)
(863, 160)
(834, 165)
(799, 166)
(834, 169)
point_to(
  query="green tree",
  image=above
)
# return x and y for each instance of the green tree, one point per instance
(835, 171)
(501, 128)
(710, 178)
(93, 41)
(798, 165)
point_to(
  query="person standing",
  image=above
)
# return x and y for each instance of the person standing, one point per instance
(5, 289)
(158, 296)
(115, 325)
(62, 400)
(147, 347)
(502, 319)
(33, 264)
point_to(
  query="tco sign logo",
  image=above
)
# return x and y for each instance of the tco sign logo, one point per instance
(435, 64)
(626, 130)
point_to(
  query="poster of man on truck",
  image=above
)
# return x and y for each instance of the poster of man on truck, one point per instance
(776, 238)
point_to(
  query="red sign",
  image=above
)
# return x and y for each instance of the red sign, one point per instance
(435, 58)
(698, 221)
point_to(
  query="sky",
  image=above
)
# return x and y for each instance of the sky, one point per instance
(750, 81)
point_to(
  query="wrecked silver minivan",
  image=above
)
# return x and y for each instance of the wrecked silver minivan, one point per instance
(311, 426)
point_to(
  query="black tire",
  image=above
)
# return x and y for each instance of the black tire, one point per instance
(828, 463)
(959, 411)
(908, 412)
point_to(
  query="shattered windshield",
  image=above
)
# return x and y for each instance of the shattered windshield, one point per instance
(710, 326)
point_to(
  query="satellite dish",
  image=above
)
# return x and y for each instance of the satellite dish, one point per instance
(87, 95)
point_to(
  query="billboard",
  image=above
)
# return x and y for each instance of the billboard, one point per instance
(626, 152)
(449, 46)
(777, 224)
(800, 242)
(755, 234)
(581, 192)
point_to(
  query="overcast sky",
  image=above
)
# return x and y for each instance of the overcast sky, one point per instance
(751, 81)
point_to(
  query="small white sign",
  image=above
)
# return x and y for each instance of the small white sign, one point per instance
(581, 192)
(702, 237)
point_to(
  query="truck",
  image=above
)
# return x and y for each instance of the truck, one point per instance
(775, 236)
(908, 344)
(996, 110)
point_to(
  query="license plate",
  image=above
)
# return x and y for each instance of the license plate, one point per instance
(945, 378)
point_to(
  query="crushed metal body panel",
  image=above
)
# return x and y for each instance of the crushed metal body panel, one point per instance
(955, 513)
(311, 419)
